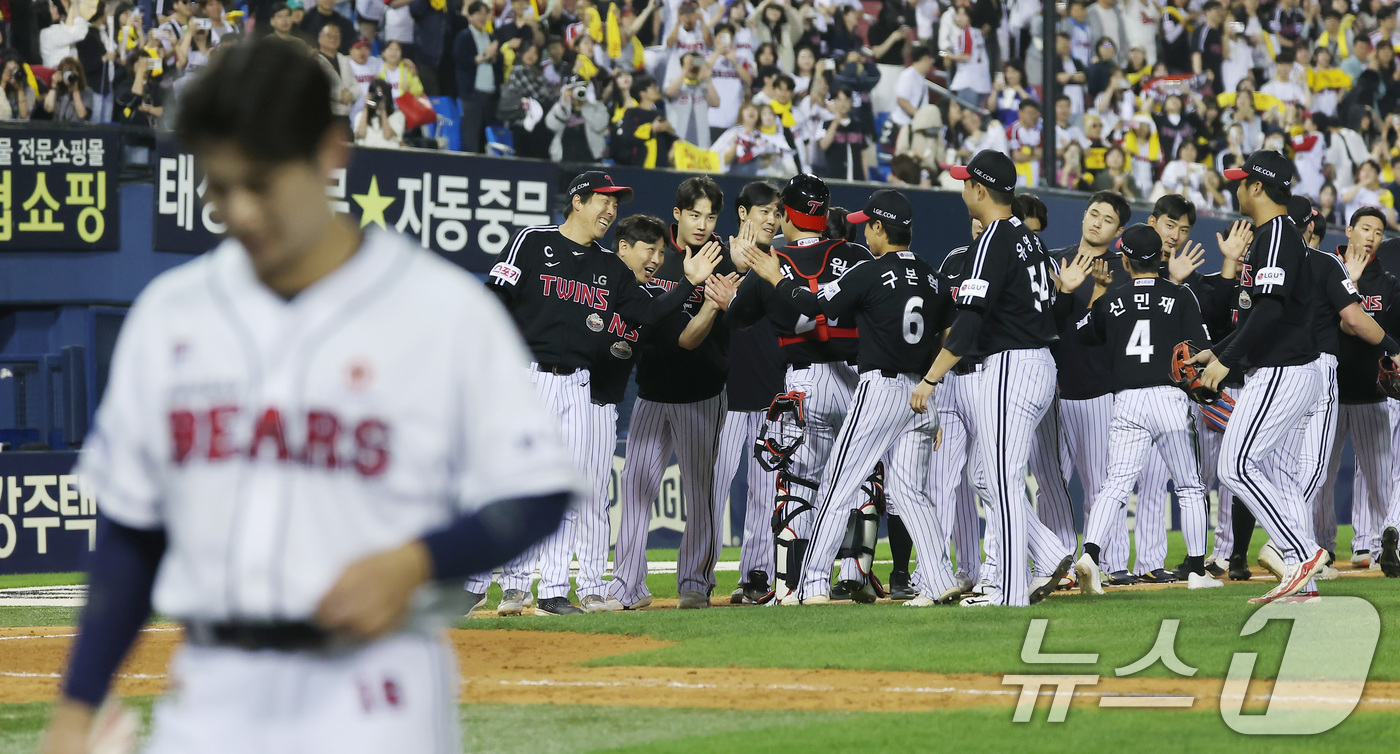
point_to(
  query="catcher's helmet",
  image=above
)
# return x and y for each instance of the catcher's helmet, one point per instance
(806, 199)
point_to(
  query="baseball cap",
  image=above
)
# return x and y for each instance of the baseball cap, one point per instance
(599, 182)
(1141, 242)
(1300, 210)
(888, 206)
(1267, 166)
(989, 168)
(361, 43)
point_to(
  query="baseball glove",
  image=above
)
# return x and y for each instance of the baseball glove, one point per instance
(1188, 376)
(1217, 414)
(1388, 380)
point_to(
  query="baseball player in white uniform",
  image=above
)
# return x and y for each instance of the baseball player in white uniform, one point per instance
(305, 429)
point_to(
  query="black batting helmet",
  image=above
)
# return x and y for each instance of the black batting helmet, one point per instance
(807, 199)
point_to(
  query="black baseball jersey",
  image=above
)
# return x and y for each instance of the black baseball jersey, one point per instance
(896, 302)
(952, 271)
(1139, 321)
(1083, 369)
(1009, 283)
(1335, 293)
(617, 351)
(1277, 265)
(803, 339)
(1219, 298)
(563, 295)
(1358, 361)
(667, 373)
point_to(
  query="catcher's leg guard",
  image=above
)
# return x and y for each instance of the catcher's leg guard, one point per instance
(789, 550)
(863, 528)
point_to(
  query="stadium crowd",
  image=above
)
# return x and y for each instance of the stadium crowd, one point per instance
(1148, 97)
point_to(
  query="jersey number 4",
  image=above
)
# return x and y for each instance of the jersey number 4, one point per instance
(1140, 342)
(1040, 285)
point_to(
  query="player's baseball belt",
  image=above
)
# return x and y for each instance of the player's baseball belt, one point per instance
(967, 367)
(808, 364)
(558, 369)
(282, 636)
(892, 374)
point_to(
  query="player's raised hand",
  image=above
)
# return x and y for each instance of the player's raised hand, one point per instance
(1184, 261)
(1234, 247)
(1356, 261)
(766, 265)
(1103, 276)
(719, 290)
(371, 598)
(745, 240)
(698, 266)
(1075, 273)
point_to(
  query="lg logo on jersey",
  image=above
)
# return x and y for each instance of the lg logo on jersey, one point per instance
(221, 433)
(1318, 685)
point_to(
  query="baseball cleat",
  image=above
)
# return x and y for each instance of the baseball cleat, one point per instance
(1389, 559)
(1051, 584)
(900, 588)
(1328, 573)
(817, 599)
(756, 589)
(839, 592)
(1158, 576)
(1199, 581)
(947, 598)
(1121, 578)
(1272, 560)
(1239, 569)
(513, 602)
(976, 600)
(1302, 598)
(736, 597)
(1361, 559)
(863, 593)
(981, 587)
(475, 600)
(557, 606)
(691, 599)
(791, 600)
(965, 583)
(1068, 582)
(1295, 578)
(1217, 567)
(594, 603)
(1090, 578)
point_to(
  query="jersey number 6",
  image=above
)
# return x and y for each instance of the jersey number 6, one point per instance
(913, 320)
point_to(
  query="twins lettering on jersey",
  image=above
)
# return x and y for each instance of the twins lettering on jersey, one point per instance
(1371, 303)
(579, 292)
(222, 433)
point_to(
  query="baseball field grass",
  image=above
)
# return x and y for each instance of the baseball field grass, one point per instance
(881, 639)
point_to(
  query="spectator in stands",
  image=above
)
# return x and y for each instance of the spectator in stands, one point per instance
(1106, 22)
(1115, 176)
(1212, 195)
(731, 71)
(972, 81)
(1023, 141)
(1327, 204)
(844, 140)
(193, 50)
(778, 22)
(399, 26)
(892, 33)
(910, 92)
(740, 148)
(281, 23)
(1334, 39)
(1175, 30)
(369, 14)
(1071, 171)
(1008, 92)
(1181, 175)
(1208, 44)
(1070, 74)
(59, 34)
(1096, 142)
(906, 171)
(345, 90)
(643, 137)
(16, 98)
(555, 65)
(1081, 36)
(687, 35)
(842, 36)
(1101, 70)
(807, 67)
(400, 73)
(618, 95)
(1066, 132)
(1309, 149)
(1283, 86)
(435, 27)
(325, 14)
(69, 99)
(1176, 126)
(977, 137)
(689, 97)
(526, 86)
(1360, 59)
(480, 70)
(219, 26)
(1368, 192)
(922, 140)
(579, 125)
(379, 124)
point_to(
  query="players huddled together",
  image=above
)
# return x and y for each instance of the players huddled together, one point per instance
(867, 383)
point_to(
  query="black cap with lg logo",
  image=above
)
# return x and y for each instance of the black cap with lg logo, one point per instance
(1267, 166)
(888, 206)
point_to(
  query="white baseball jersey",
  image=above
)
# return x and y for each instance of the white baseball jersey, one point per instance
(277, 441)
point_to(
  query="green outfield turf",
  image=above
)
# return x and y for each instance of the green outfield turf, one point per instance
(1120, 627)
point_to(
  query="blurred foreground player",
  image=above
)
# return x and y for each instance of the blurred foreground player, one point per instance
(304, 428)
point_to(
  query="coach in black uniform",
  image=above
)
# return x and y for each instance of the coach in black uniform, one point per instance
(562, 287)
(1003, 310)
(1140, 319)
(897, 308)
(1275, 342)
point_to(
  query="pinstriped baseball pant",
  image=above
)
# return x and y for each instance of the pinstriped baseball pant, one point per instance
(1368, 425)
(1082, 435)
(1016, 391)
(735, 445)
(692, 430)
(1255, 453)
(1210, 458)
(952, 467)
(1315, 456)
(589, 431)
(880, 425)
(1144, 418)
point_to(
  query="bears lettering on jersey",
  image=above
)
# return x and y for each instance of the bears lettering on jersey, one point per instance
(214, 434)
(579, 292)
